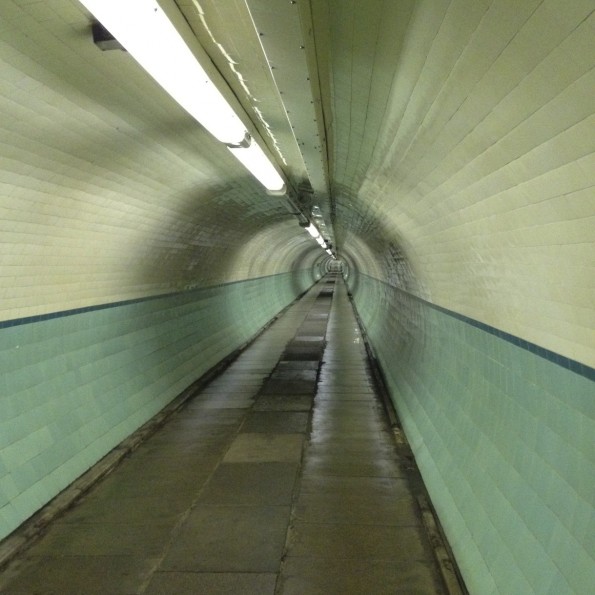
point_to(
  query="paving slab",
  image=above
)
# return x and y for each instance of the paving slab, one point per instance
(271, 422)
(296, 373)
(343, 396)
(230, 538)
(370, 448)
(304, 351)
(310, 337)
(312, 327)
(330, 576)
(297, 365)
(137, 510)
(224, 402)
(168, 484)
(288, 386)
(264, 448)
(75, 575)
(212, 583)
(356, 540)
(251, 484)
(146, 539)
(353, 509)
(351, 466)
(278, 402)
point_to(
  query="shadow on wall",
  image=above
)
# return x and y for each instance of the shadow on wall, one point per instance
(390, 311)
(308, 260)
(75, 384)
(202, 242)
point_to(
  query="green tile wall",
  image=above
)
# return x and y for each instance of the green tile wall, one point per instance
(72, 387)
(504, 439)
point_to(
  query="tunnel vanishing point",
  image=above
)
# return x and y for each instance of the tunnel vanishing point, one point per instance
(440, 152)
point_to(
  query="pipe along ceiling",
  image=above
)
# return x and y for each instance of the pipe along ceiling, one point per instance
(443, 150)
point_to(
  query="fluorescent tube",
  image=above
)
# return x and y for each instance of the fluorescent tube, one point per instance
(258, 164)
(311, 229)
(144, 30)
(321, 242)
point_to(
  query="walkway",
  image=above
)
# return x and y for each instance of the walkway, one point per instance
(281, 476)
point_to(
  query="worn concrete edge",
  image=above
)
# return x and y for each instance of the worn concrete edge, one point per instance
(26, 534)
(449, 570)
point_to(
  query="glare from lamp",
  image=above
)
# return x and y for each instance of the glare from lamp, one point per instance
(311, 229)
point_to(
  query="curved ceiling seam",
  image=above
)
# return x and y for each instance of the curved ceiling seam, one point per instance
(219, 48)
(233, 67)
(286, 47)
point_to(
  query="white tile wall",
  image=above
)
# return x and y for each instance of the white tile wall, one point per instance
(483, 164)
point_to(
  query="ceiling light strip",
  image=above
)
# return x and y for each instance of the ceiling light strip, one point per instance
(142, 27)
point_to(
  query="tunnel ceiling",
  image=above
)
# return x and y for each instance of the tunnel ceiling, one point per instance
(454, 136)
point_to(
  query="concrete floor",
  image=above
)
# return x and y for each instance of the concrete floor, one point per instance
(281, 476)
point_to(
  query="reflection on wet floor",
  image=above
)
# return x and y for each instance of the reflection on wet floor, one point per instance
(280, 476)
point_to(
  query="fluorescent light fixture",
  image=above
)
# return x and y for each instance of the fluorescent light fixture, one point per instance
(329, 252)
(257, 163)
(311, 229)
(144, 30)
(321, 242)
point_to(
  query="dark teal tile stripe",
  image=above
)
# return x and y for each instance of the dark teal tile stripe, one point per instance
(551, 356)
(161, 296)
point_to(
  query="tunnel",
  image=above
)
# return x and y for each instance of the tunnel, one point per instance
(432, 156)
